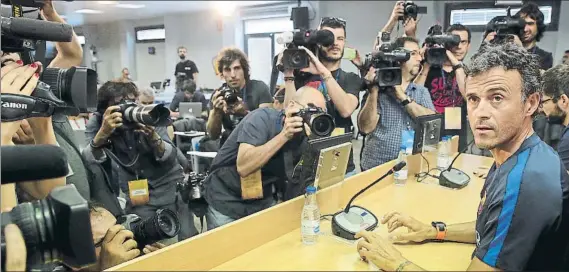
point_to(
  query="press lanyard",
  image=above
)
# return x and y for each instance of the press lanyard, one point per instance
(244, 92)
(323, 84)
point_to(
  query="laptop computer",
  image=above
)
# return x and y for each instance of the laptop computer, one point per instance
(188, 109)
(332, 165)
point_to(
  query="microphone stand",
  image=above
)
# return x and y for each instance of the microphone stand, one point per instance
(366, 188)
(452, 177)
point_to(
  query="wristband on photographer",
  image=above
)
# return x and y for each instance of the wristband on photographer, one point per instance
(95, 146)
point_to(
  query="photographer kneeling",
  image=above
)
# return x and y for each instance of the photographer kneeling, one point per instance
(146, 155)
(252, 160)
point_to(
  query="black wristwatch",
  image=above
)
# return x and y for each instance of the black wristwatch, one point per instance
(458, 66)
(441, 230)
(406, 101)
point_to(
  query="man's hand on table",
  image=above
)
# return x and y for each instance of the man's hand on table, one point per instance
(379, 251)
(416, 230)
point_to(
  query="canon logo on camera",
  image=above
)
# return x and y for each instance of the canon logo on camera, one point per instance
(14, 105)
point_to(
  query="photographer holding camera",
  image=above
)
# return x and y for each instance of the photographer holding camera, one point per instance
(533, 32)
(149, 168)
(446, 82)
(252, 160)
(388, 112)
(239, 95)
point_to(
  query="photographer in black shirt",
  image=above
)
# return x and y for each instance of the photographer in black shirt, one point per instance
(185, 69)
(145, 154)
(533, 32)
(251, 94)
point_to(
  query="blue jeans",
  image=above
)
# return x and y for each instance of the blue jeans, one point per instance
(216, 219)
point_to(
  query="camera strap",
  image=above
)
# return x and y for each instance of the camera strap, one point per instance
(17, 107)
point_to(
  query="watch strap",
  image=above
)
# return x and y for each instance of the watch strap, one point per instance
(405, 102)
(441, 229)
(458, 66)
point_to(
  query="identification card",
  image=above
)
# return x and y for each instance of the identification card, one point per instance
(338, 131)
(453, 118)
(252, 186)
(138, 192)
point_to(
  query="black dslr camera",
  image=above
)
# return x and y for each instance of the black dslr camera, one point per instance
(57, 228)
(192, 188)
(149, 115)
(162, 225)
(410, 10)
(295, 58)
(386, 60)
(228, 94)
(60, 91)
(437, 45)
(320, 123)
(506, 27)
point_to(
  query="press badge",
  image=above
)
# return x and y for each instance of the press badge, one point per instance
(453, 118)
(252, 186)
(138, 192)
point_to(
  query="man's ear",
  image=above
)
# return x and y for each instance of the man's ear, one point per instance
(563, 101)
(532, 103)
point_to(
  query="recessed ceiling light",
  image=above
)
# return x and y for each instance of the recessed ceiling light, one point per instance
(88, 11)
(107, 2)
(130, 6)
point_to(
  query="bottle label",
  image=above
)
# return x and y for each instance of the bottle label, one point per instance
(401, 174)
(310, 227)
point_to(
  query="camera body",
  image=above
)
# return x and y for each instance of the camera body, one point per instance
(437, 44)
(296, 58)
(386, 60)
(321, 123)
(505, 27)
(192, 187)
(228, 94)
(162, 225)
(57, 228)
(410, 10)
(149, 115)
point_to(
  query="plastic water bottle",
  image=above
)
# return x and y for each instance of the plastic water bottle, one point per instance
(443, 158)
(310, 220)
(401, 175)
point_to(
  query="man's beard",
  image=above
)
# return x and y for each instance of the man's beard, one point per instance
(323, 55)
(557, 117)
(182, 57)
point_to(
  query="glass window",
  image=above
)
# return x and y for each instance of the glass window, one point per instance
(150, 34)
(482, 16)
(268, 25)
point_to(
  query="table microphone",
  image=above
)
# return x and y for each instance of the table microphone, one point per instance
(452, 177)
(32, 162)
(353, 219)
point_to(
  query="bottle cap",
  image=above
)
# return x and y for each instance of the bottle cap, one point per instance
(310, 189)
(403, 147)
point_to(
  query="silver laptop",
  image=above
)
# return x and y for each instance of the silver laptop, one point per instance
(188, 109)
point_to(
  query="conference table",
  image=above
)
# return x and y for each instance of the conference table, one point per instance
(270, 239)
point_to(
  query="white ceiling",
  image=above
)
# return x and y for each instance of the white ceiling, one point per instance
(151, 9)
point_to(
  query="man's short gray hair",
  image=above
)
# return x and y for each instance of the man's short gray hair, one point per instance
(146, 91)
(509, 56)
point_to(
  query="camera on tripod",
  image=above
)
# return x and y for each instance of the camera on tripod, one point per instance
(162, 225)
(149, 115)
(320, 123)
(386, 60)
(506, 27)
(296, 58)
(57, 228)
(60, 91)
(437, 44)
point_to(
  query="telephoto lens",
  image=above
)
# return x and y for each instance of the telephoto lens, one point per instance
(76, 86)
(150, 115)
(57, 228)
(162, 225)
(320, 123)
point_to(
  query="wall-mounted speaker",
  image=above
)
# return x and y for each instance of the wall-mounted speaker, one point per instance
(152, 50)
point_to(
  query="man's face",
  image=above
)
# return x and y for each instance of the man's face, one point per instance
(101, 221)
(495, 108)
(336, 51)
(188, 95)
(413, 65)
(552, 110)
(145, 100)
(530, 31)
(462, 49)
(234, 75)
(182, 52)
(125, 72)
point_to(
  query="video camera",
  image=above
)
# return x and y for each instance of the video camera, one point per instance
(296, 58)
(505, 27)
(386, 60)
(149, 115)
(57, 228)
(60, 91)
(162, 225)
(437, 45)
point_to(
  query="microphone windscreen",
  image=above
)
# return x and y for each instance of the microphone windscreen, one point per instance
(325, 37)
(25, 28)
(399, 166)
(32, 162)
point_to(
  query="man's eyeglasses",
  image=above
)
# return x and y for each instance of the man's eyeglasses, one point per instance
(331, 20)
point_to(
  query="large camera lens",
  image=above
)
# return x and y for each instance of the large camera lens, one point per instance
(150, 115)
(163, 225)
(76, 86)
(322, 125)
(57, 228)
(295, 59)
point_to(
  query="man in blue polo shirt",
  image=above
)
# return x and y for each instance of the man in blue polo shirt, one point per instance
(525, 197)
(555, 104)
